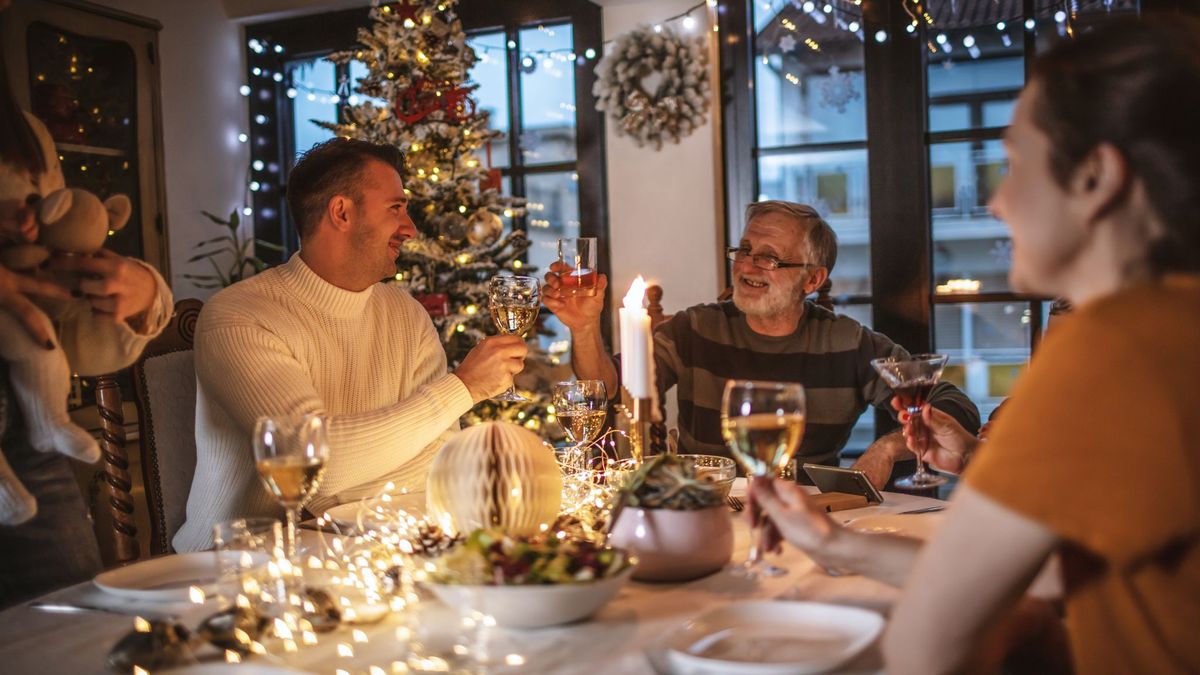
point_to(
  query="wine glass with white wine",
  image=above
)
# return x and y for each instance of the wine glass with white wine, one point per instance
(762, 423)
(514, 303)
(290, 462)
(580, 408)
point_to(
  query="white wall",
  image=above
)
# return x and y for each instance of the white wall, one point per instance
(201, 65)
(664, 207)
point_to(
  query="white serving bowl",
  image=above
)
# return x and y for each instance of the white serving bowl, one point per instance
(533, 605)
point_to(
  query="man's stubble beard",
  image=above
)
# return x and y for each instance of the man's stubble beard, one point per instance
(371, 255)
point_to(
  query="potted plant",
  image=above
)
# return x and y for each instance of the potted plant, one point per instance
(674, 519)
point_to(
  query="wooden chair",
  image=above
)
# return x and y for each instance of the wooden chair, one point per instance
(167, 356)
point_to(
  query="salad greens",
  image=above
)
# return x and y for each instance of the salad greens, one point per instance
(491, 557)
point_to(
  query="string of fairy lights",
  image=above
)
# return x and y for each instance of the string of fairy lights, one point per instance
(269, 73)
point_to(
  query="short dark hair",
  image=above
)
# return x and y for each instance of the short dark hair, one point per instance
(822, 241)
(1133, 84)
(332, 168)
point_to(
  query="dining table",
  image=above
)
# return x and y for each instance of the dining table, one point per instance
(626, 636)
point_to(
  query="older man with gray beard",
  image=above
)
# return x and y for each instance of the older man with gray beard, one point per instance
(769, 331)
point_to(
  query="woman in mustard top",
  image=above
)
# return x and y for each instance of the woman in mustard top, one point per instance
(1091, 476)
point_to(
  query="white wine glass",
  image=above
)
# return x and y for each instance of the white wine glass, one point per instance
(514, 303)
(290, 461)
(762, 423)
(580, 407)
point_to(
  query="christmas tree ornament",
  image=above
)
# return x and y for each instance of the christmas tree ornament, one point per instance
(484, 227)
(494, 474)
(452, 227)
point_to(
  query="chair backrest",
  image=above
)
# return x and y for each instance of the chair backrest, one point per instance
(164, 383)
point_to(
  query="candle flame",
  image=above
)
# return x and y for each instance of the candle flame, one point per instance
(196, 595)
(141, 625)
(637, 293)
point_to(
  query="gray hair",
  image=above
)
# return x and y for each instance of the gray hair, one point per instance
(822, 241)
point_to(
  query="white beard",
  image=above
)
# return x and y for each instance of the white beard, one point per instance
(778, 299)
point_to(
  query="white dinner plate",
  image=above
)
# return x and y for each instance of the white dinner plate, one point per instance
(771, 637)
(167, 578)
(916, 525)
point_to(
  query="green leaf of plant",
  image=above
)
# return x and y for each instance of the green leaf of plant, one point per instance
(215, 218)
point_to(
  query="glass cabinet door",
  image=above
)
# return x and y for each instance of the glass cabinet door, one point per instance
(90, 74)
(84, 90)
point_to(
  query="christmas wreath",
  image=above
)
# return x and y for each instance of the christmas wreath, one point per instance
(655, 85)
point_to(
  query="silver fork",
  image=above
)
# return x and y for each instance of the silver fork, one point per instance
(735, 503)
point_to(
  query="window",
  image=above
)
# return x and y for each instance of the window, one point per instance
(811, 127)
(935, 96)
(532, 78)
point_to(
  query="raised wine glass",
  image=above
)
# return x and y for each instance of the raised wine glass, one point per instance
(514, 303)
(290, 461)
(579, 256)
(912, 380)
(762, 423)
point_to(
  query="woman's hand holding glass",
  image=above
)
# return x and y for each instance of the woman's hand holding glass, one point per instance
(946, 446)
(794, 517)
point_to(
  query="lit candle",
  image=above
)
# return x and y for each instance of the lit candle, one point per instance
(637, 346)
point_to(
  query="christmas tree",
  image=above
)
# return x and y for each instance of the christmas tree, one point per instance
(416, 96)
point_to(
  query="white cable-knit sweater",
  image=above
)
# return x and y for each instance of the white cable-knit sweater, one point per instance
(286, 343)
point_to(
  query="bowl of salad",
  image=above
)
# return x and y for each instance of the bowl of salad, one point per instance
(529, 582)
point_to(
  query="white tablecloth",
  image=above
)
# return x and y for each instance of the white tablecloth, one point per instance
(621, 638)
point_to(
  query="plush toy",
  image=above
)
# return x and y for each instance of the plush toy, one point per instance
(71, 222)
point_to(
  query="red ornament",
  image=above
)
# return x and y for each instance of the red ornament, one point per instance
(436, 304)
(424, 97)
(406, 9)
(494, 180)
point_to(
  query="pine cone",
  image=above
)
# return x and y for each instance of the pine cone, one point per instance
(431, 541)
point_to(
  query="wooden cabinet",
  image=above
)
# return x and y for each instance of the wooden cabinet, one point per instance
(91, 74)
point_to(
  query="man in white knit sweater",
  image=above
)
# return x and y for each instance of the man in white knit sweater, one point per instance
(319, 334)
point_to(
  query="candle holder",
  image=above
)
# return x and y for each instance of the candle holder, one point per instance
(634, 417)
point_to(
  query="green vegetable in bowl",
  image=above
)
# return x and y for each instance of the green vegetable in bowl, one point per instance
(670, 481)
(491, 557)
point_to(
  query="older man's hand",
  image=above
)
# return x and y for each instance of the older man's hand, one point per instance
(577, 312)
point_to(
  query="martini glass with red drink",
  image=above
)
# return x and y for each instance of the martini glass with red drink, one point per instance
(913, 379)
(578, 255)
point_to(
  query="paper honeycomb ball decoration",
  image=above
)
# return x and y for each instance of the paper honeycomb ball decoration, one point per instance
(494, 474)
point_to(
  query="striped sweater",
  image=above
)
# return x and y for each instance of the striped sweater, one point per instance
(699, 349)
